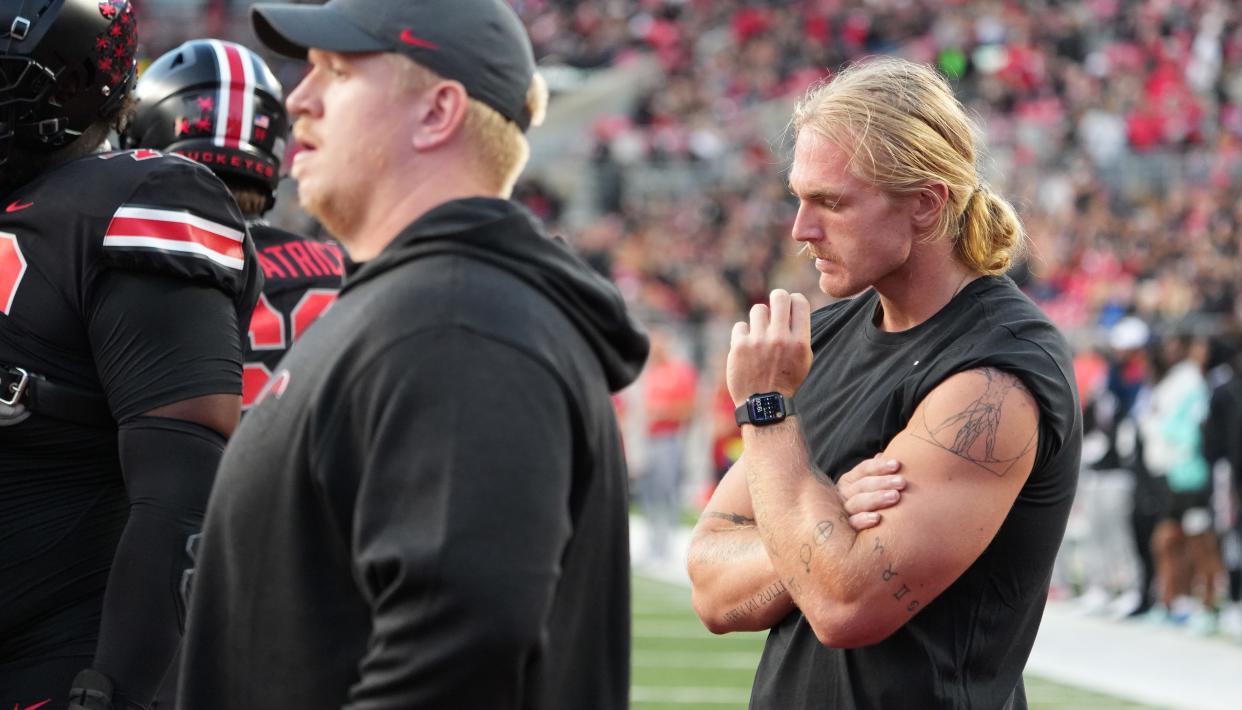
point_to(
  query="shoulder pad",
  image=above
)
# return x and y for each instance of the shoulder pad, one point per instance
(179, 220)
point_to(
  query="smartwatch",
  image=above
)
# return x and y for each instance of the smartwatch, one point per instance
(764, 409)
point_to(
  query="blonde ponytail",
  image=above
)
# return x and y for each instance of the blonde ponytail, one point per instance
(990, 236)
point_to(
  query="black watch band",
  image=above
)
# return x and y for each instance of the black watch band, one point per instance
(764, 409)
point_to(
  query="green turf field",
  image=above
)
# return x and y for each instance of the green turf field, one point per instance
(678, 665)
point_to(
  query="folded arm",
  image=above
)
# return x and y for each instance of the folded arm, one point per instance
(734, 585)
(968, 448)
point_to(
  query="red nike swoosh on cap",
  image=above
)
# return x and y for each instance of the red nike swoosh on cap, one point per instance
(408, 37)
(15, 207)
(36, 705)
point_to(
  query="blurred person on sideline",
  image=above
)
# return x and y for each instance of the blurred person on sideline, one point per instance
(1129, 385)
(239, 130)
(426, 507)
(1117, 566)
(125, 277)
(670, 387)
(1222, 446)
(1184, 545)
(939, 363)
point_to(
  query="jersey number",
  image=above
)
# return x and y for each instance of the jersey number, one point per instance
(268, 331)
(12, 269)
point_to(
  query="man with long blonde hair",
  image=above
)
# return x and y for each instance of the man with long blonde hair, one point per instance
(936, 382)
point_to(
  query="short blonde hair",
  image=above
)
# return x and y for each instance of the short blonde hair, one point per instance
(906, 129)
(500, 148)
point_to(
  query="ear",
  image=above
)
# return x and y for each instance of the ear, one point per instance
(439, 114)
(928, 204)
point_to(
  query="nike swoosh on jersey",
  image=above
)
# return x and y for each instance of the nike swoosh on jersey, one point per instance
(16, 206)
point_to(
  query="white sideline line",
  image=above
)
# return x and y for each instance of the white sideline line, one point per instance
(655, 627)
(660, 630)
(688, 695)
(665, 659)
(659, 612)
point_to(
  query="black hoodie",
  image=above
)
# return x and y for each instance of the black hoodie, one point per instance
(427, 507)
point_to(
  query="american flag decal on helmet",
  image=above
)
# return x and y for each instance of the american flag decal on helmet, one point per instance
(136, 228)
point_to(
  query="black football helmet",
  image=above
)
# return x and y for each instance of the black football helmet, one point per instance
(217, 103)
(64, 65)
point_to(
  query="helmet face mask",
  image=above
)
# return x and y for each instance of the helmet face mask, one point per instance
(65, 65)
(217, 103)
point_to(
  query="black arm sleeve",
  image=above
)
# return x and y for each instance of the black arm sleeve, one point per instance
(460, 521)
(160, 339)
(169, 467)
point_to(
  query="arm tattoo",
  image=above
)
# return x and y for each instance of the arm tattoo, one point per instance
(823, 531)
(766, 596)
(977, 426)
(888, 574)
(731, 517)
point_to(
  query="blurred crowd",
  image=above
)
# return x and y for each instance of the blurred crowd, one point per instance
(1155, 533)
(1115, 126)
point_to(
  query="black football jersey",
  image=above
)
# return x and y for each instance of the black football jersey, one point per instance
(301, 279)
(128, 275)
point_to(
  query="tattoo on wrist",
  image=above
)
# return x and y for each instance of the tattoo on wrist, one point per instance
(766, 596)
(731, 517)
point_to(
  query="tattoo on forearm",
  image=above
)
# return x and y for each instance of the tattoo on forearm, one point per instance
(823, 531)
(805, 555)
(766, 596)
(887, 576)
(731, 517)
(972, 433)
(901, 592)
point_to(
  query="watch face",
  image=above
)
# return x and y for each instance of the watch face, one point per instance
(767, 408)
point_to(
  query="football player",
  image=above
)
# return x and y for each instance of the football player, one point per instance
(188, 101)
(126, 279)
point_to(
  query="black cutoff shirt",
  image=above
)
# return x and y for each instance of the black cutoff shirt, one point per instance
(968, 647)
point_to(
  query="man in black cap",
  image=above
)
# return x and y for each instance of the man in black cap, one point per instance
(426, 508)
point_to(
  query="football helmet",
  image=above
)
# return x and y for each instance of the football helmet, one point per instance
(64, 65)
(214, 102)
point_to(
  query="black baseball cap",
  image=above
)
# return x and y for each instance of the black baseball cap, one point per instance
(480, 43)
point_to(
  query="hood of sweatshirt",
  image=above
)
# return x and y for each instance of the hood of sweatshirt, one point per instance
(505, 235)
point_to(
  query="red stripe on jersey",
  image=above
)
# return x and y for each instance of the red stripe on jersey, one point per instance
(237, 95)
(175, 231)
